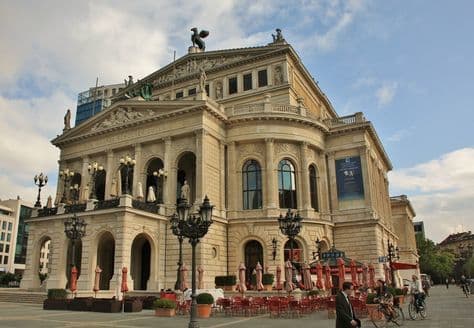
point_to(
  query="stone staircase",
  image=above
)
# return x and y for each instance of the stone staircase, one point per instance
(21, 296)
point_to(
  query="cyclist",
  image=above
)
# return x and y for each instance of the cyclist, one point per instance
(415, 291)
(384, 297)
(464, 285)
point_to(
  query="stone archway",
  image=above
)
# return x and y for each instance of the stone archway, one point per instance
(187, 171)
(106, 259)
(253, 252)
(140, 266)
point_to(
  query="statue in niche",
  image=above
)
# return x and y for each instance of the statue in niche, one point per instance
(202, 79)
(218, 90)
(67, 120)
(196, 38)
(113, 188)
(277, 75)
(185, 190)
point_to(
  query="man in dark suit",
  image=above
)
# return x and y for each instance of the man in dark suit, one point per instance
(345, 316)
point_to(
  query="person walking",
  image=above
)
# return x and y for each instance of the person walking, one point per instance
(345, 316)
(447, 283)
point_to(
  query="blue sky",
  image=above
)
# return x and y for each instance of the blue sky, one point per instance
(406, 65)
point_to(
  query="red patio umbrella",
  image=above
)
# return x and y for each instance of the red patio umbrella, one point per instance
(200, 271)
(365, 276)
(73, 282)
(386, 270)
(289, 286)
(341, 270)
(353, 265)
(371, 276)
(124, 286)
(96, 287)
(241, 287)
(278, 285)
(259, 276)
(183, 277)
(308, 284)
(328, 282)
(319, 274)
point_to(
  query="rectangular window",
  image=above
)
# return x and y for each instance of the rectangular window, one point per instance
(9, 236)
(1, 256)
(232, 85)
(10, 225)
(179, 94)
(247, 81)
(207, 89)
(192, 92)
(2, 236)
(1, 248)
(5, 260)
(262, 78)
(4, 225)
(7, 248)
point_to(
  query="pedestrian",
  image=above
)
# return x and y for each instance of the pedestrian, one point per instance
(447, 283)
(425, 284)
(345, 316)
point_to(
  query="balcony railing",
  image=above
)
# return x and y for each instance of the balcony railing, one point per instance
(346, 120)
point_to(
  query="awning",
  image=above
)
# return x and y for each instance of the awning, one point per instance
(403, 266)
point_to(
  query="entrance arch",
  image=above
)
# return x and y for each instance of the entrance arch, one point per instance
(253, 254)
(140, 262)
(106, 259)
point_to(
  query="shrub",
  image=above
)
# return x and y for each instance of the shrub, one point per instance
(267, 278)
(164, 303)
(225, 280)
(57, 294)
(398, 291)
(314, 292)
(371, 298)
(204, 298)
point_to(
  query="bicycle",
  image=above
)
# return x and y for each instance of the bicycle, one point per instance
(383, 318)
(465, 289)
(417, 306)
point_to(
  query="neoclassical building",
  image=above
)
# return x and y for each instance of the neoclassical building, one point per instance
(247, 127)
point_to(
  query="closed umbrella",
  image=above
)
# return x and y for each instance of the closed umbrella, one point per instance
(308, 284)
(278, 285)
(319, 274)
(183, 278)
(386, 270)
(341, 272)
(365, 276)
(241, 287)
(353, 265)
(49, 203)
(289, 286)
(139, 191)
(259, 276)
(371, 276)
(124, 286)
(73, 282)
(96, 287)
(200, 271)
(328, 282)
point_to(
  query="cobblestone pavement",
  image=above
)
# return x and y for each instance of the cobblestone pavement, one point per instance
(447, 308)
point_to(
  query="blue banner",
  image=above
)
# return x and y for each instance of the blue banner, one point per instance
(349, 179)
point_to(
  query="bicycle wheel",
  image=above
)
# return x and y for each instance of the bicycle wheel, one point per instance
(398, 317)
(378, 318)
(412, 311)
(422, 309)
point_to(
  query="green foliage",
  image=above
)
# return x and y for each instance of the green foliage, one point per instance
(42, 276)
(204, 298)
(57, 294)
(225, 280)
(7, 277)
(164, 303)
(371, 298)
(314, 292)
(437, 263)
(398, 292)
(268, 278)
(468, 267)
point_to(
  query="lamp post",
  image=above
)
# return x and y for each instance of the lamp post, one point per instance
(128, 163)
(193, 227)
(66, 175)
(393, 254)
(156, 177)
(41, 181)
(317, 254)
(290, 225)
(176, 229)
(93, 170)
(74, 192)
(274, 246)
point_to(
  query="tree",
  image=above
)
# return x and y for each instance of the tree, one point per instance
(437, 263)
(468, 267)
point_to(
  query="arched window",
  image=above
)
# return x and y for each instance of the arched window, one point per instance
(252, 185)
(313, 187)
(286, 184)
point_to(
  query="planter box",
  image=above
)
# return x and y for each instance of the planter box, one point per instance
(107, 305)
(161, 312)
(148, 301)
(204, 310)
(52, 304)
(268, 288)
(80, 304)
(132, 305)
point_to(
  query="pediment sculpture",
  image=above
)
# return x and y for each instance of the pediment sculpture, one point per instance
(121, 116)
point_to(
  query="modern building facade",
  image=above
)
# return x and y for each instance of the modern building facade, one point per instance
(13, 235)
(247, 127)
(419, 227)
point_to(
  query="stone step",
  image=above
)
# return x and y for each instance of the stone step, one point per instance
(22, 296)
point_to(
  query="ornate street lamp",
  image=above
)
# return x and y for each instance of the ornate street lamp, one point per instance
(176, 229)
(93, 170)
(317, 254)
(128, 163)
(74, 192)
(75, 229)
(66, 175)
(41, 181)
(290, 226)
(156, 177)
(393, 254)
(193, 227)
(274, 246)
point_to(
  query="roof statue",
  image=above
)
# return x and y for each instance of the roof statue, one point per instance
(67, 120)
(197, 38)
(278, 37)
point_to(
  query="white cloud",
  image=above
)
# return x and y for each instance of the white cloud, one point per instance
(386, 93)
(441, 192)
(400, 134)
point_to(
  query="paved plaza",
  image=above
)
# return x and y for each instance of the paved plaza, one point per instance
(447, 308)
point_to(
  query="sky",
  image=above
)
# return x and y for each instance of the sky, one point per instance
(407, 65)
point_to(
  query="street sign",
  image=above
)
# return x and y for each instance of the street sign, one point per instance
(383, 259)
(332, 255)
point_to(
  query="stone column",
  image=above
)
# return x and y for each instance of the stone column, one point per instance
(200, 167)
(222, 176)
(331, 169)
(85, 179)
(137, 169)
(271, 190)
(232, 158)
(304, 190)
(109, 173)
(366, 178)
(167, 194)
